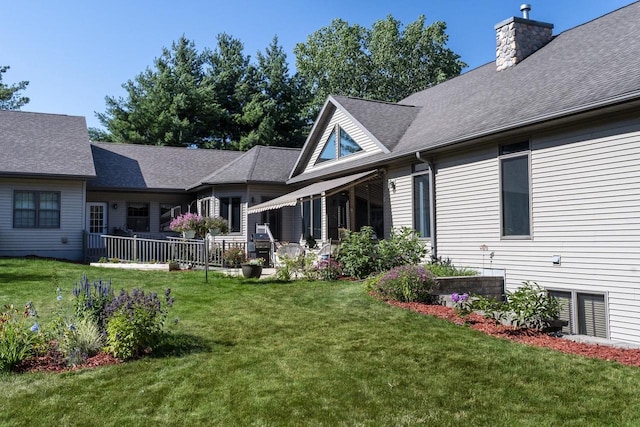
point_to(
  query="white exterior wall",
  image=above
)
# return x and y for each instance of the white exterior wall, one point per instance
(359, 136)
(585, 193)
(231, 191)
(64, 242)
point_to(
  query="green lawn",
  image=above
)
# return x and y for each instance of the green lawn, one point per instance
(307, 354)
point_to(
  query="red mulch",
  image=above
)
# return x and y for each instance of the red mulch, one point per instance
(54, 361)
(527, 336)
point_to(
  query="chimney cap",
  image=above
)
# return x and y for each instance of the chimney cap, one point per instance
(525, 8)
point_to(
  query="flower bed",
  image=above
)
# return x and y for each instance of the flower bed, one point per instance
(624, 356)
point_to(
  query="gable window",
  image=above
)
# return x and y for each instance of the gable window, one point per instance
(36, 209)
(421, 200)
(138, 216)
(339, 144)
(312, 218)
(515, 190)
(230, 210)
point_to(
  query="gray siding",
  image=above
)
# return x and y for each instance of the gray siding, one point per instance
(117, 217)
(359, 136)
(65, 242)
(585, 193)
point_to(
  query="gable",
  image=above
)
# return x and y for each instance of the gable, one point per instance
(340, 141)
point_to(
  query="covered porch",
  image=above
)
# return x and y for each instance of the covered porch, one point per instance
(328, 208)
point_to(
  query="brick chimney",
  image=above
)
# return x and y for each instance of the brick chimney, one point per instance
(517, 38)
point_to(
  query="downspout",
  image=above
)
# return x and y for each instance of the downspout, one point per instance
(432, 205)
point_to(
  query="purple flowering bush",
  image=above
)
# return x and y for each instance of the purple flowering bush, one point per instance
(135, 322)
(407, 283)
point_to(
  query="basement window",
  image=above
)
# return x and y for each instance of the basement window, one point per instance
(586, 312)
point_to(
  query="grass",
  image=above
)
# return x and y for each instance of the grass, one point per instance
(249, 353)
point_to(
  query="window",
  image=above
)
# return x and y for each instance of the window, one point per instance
(514, 188)
(204, 206)
(312, 218)
(230, 210)
(421, 204)
(167, 213)
(585, 312)
(338, 147)
(36, 209)
(138, 216)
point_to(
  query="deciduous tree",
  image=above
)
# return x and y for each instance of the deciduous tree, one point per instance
(387, 62)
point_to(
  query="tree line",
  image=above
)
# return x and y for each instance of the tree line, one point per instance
(219, 98)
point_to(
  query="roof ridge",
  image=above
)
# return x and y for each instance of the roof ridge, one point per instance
(377, 101)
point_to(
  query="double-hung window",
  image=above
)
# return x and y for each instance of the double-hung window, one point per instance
(230, 210)
(138, 216)
(36, 209)
(421, 200)
(515, 193)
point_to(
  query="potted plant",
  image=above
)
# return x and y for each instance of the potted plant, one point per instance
(187, 224)
(233, 257)
(216, 225)
(252, 269)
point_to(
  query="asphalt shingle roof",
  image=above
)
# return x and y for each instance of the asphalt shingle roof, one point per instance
(260, 164)
(148, 167)
(37, 144)
(387, 122)
(584, 68)
(578, 69)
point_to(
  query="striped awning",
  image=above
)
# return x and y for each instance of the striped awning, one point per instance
(326, 188)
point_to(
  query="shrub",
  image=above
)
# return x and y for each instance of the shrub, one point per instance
(80, 340)
(234, 256)
(329, 269)
(293, 267)
(531, 306)
(135, 322)
(358, 253)
(445, 268)
(91, 300)
(402, 247)
(20, 335)
(408, 283)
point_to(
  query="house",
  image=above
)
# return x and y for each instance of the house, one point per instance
(527, 165)
(45, 164)
(140, 188)
(59, 192)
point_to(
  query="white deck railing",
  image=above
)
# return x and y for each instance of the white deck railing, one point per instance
(185, 251)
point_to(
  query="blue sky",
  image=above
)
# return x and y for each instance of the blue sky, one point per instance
(74, 53)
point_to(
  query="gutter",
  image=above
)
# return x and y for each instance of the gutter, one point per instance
(432, 205)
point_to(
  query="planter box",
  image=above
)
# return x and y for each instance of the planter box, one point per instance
(487, 286)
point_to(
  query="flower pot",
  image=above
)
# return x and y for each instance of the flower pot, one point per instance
(214, 231)
(189, 234)
(251, 271)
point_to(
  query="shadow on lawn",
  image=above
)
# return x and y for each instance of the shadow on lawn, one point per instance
(179, 345)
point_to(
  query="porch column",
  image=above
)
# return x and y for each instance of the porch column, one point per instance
(352, 208)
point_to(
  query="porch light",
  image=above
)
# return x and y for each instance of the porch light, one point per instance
(392, 185)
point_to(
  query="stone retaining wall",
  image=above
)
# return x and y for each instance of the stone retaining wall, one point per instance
(487, 286)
